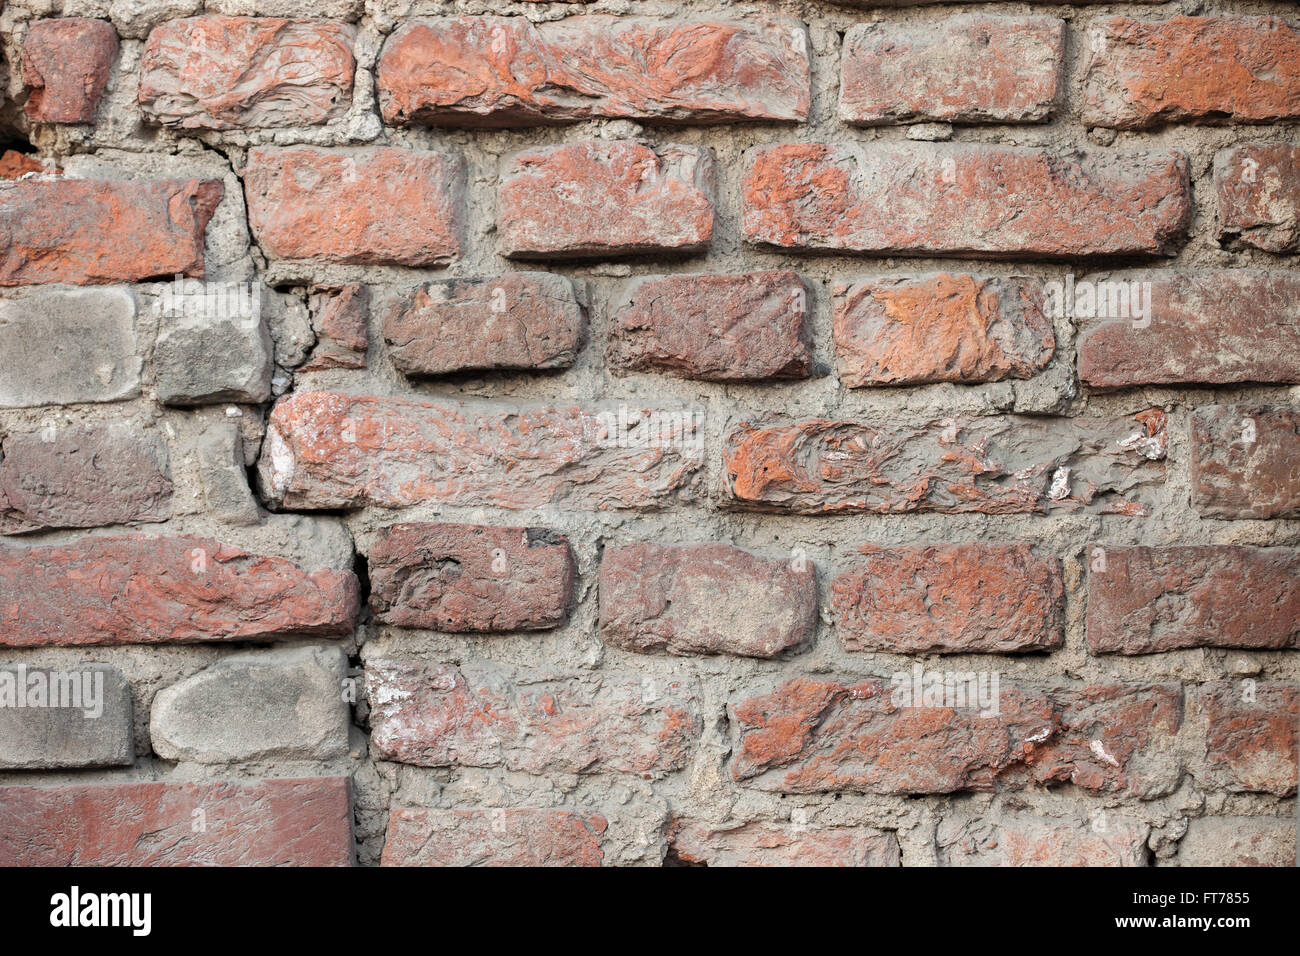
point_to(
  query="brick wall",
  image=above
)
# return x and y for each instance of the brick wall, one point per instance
(640, 433)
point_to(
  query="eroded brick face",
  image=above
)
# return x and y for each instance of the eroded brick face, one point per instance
(798, 432)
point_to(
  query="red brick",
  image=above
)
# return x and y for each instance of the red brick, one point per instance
(1257, 188)
(996, 465)
(1211, 328)
(66, 65)
(1251, 743)
(83, 476)
(1023, 840)
(603, 198)
(14, 164)
(141, 590)
(508, 71)
(222, 73)
(381, 205)
(781, 844)
(943, 328)
(1143, 600)
(494, 837)
(718, 328)
(1246, 461)
(459, 577)
(521, 320)
(966, 199)
(339, 317)
(333, 450)
(96, 231)
(1238, 841)
(953, 598)
(478, 715)
(705, 599)
(965, 70)
(1140, 74)
(820, 736)
(306, 822)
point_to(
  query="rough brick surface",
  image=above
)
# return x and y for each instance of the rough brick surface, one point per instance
(782, 844)
(1238, 841)
(340, 319)
(1143, 600)
(705, 599)
(385, 204)
(1214, 327)
(82, 477)
(1245, 461)
(305, 822)
(1139, 74)
(949, 599)
(1251, 744)
(1257, 192)
(821, 736)
(1035, 841)
(66, 64)
(718, 328)
(521, 320)
(1003, 465)
(942, 328)
(246, 72)
(966, 200)
(64, 717)
(494, 837)
(331, 450)
(141, 590)
(53, 230)
(457, 577)
(506, 71)
(962, 70)
(600, 199)
(476, 715)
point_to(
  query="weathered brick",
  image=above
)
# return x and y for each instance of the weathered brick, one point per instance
(1251, 743)
(207, 357)
(966, 200)
(1211, 328)
(478, 715)
(1237, 841)
(98, 230)
(379, 205)
(459, 577)
(954, 598)
(819, 736)
(222, 73)
(1143, 600)
(948, 327)
(1139, 74)
(599, 199)
(996, 465)
(223, 474)
(508, 71)
(966, 69)
(1023, 840)
(705, 599)
(1246, 461)
(719, 328)
(82, 477)
(304, 822)
(64, 717)
(521, 320)
(1257, 189)
(781, 844)
(333, 450)
(66, 65)
(272, 705)
(94, 355)
(142, 590)
(494, 837)
(339, 317)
